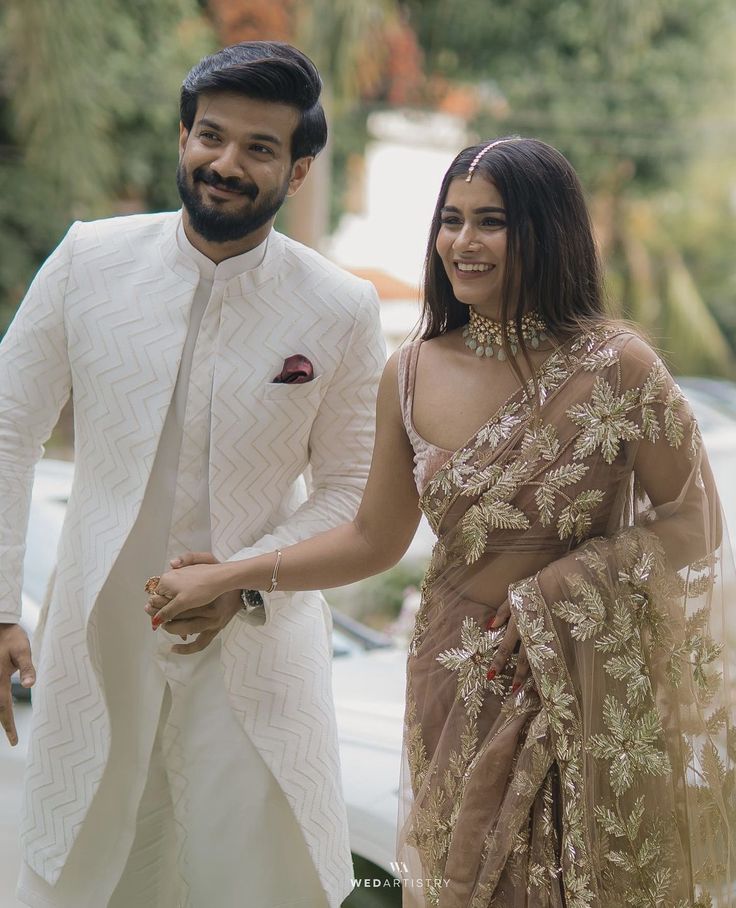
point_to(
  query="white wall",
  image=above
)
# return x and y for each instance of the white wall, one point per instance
(404, 165)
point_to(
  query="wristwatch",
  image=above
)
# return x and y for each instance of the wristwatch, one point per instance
(251, 599)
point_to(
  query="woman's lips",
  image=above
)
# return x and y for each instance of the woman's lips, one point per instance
(474, 274)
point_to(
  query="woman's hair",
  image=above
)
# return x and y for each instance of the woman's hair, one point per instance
(266, 71)
(552, 265)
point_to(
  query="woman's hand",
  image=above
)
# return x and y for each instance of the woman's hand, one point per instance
(506, 648)
(185, 589)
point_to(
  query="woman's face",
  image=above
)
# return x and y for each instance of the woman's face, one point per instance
(472, 243)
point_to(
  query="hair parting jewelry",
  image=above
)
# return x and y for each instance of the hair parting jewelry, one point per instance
(476, 159)
(481, 333)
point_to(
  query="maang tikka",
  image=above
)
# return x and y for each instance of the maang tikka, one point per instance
(476, 159)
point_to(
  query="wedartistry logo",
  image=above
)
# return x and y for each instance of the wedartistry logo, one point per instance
(398, 868)
(401, 878)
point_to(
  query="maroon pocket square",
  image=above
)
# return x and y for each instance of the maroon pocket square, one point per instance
(297, 370)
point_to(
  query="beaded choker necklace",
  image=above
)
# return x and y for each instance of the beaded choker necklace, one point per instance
(481, 334)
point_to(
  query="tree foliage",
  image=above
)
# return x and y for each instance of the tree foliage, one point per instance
(88, 117)
(605, 82)
(638, 94)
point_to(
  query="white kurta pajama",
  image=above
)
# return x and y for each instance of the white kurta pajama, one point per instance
(189, 810)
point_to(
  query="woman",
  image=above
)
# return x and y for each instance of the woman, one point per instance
(568, 723)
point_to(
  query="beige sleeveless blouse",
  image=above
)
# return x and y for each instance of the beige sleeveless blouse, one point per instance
(428, 458)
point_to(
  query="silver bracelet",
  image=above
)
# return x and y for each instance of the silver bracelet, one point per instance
(275, 575)
(252, 599)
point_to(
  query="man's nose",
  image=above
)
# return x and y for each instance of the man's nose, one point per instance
(228, 162)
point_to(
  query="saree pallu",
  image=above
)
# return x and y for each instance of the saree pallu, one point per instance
(607, 779)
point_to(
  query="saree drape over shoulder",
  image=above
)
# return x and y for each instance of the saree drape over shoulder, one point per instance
(608, 779)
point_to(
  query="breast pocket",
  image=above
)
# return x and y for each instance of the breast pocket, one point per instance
(289, 412)
(281, 392)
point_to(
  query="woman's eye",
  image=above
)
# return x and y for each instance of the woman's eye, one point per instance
(450, 221)
(493, 222)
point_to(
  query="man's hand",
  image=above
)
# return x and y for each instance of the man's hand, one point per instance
(206, 621)
(15, 655)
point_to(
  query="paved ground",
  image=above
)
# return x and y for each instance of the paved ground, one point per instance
(11, 774)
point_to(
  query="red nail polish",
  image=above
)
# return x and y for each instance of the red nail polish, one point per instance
(515, 687)
(491, 674)
(489, 624)
(155, 621)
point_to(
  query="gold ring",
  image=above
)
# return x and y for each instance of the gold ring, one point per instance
(151, 584)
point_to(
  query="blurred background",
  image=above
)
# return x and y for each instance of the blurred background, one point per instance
(639, 94)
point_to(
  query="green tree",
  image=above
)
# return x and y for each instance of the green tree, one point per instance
(634, 92)
(88, 117)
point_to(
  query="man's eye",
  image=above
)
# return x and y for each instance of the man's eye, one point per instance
(210, 136)
(262, 149)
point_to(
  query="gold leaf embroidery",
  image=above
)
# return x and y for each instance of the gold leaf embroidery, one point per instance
(631, 744)
(601, 359)
(474, 533)
(502, 427)
(586, 617)
(631, 669)
(576, 517)
(673, 427)
(544, 439)
(472, 660)
(504, 516)
(604, 421)
(554, 481)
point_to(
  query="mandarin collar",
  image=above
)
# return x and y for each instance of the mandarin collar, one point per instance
(225, 270)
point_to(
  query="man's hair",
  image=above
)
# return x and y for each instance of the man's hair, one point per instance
(266, 71)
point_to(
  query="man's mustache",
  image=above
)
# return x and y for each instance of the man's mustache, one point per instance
(212, 178)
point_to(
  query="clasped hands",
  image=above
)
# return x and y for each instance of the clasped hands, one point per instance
(182, 604)
(189, 599)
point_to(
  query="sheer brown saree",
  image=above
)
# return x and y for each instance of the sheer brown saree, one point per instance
(608, 778)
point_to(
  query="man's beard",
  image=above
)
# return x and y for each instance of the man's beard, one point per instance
(217, 226)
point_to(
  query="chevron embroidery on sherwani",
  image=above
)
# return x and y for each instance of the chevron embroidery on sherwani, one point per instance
(278, 674)
(122, 328)
(295, 735)
(34, 379)
(119, 340)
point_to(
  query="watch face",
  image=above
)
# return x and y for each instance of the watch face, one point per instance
(251, 598)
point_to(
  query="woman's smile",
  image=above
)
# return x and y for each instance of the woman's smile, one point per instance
(472, 242)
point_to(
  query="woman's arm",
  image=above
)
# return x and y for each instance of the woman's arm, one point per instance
(374, 541)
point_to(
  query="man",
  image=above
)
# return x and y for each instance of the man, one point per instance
(207, 775)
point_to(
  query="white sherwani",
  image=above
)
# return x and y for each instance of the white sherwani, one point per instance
(109, 315)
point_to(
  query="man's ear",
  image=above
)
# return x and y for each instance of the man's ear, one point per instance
(183, 136)
(299, 171)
